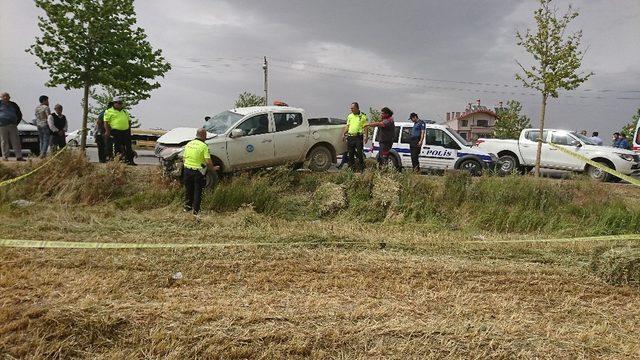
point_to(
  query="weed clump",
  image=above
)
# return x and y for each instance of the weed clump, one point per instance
(329, 198)
(617, 266)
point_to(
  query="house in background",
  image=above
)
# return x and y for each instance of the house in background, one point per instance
(475, 122)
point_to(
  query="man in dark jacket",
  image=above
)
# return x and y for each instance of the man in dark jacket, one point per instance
(386, 135)
(10, 116)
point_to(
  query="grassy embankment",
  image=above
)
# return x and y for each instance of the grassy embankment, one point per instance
(427, 293)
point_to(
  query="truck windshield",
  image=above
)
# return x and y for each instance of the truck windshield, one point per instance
(460, 139)
(584, 139)
(220, 123)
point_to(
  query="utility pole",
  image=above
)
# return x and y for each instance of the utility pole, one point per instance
(265, 67)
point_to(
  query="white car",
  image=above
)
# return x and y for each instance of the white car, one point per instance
(258, 137)
(443, 149)
(520, 155)
(73, 138)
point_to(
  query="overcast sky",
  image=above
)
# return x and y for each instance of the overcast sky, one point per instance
(216, 47)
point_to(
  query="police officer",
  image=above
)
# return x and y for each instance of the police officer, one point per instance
(356, 136)
(196, 161)
(416, 140)
(117, 123)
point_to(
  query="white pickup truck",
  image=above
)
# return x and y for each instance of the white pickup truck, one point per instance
(520, 155)
(258, 137)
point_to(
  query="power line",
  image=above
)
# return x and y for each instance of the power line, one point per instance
(422, 78)
(441, 87)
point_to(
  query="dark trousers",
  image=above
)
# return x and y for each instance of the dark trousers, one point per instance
(102, 148)
(344, 160)
(415, 148)
(58, 141)
(355, 146)
(122, 144)
(193, 184)
(383, 153)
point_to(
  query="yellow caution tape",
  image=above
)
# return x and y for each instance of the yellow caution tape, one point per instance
(597, 164)
(23, 176)
(108, 245)
(575, 239)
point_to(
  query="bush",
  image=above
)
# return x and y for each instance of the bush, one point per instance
(617, 266)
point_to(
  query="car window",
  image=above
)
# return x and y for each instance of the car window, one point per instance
(533, 135)
(287, 121)
(437, 137)
(256, 125)
(561, 138)
(405, 138)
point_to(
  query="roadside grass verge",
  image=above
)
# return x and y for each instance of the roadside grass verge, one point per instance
(513, 204)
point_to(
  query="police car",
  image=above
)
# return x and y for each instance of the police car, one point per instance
(443, 149)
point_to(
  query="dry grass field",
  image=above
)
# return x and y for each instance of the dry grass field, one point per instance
(327, 289)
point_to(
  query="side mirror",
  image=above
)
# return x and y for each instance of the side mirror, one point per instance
(236, 133)
(576, 143)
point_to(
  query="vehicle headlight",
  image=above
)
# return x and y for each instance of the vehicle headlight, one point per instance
(627, 157)
(168, 153)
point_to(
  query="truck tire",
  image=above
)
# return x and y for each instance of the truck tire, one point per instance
(472, 166)
(320, 159)
(508, 164)
(72, 143)
(211, 179)
(597, 174)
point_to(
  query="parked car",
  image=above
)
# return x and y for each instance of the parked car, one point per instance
(443, 149)
(140, 138)
(257, 137)
(520, 155)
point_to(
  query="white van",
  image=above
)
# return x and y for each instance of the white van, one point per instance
(443, 149)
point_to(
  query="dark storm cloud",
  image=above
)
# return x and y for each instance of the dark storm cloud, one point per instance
(216, 49)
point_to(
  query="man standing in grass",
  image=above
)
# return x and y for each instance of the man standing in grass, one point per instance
(356, 137)
(10, 116)
(196, 161)
(415, 140)
(117, 125)
(386, 135)
(42, 113)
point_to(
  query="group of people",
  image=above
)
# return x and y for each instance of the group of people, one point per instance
(112, 131)
(618, 140)
(356, 134)
(52, 127)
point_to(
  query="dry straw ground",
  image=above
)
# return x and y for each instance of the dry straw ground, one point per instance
(427, 294)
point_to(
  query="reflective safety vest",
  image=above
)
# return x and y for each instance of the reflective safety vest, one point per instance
(117, 119)
(195, 154)
(355, 123)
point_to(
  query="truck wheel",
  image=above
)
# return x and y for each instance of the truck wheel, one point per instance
(508, 164)
(597, 174)
(472, 166)
(72, 143)
(320, 159)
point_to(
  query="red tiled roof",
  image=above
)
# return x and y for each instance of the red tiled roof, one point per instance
(479, 111)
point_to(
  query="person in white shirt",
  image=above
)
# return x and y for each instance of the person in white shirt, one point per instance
(58, 125)
(596, 139)
(44, 134)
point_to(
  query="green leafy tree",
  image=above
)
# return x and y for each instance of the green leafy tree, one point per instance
(556, 55)
(510, 121)
(247, 99)
(629, 130)
(85, 43)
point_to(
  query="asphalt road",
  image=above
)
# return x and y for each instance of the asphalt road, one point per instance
(145, 157)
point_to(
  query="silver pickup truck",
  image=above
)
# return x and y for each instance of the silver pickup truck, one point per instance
(258, 137)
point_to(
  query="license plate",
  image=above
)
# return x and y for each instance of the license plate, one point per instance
(30, 140)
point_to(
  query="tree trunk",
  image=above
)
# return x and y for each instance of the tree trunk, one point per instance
(543, 109)
(85, 115)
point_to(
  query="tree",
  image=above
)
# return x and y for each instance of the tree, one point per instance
(247, 99)
(629, 130)
(85, 43)
(556, 55)
(510, 122)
